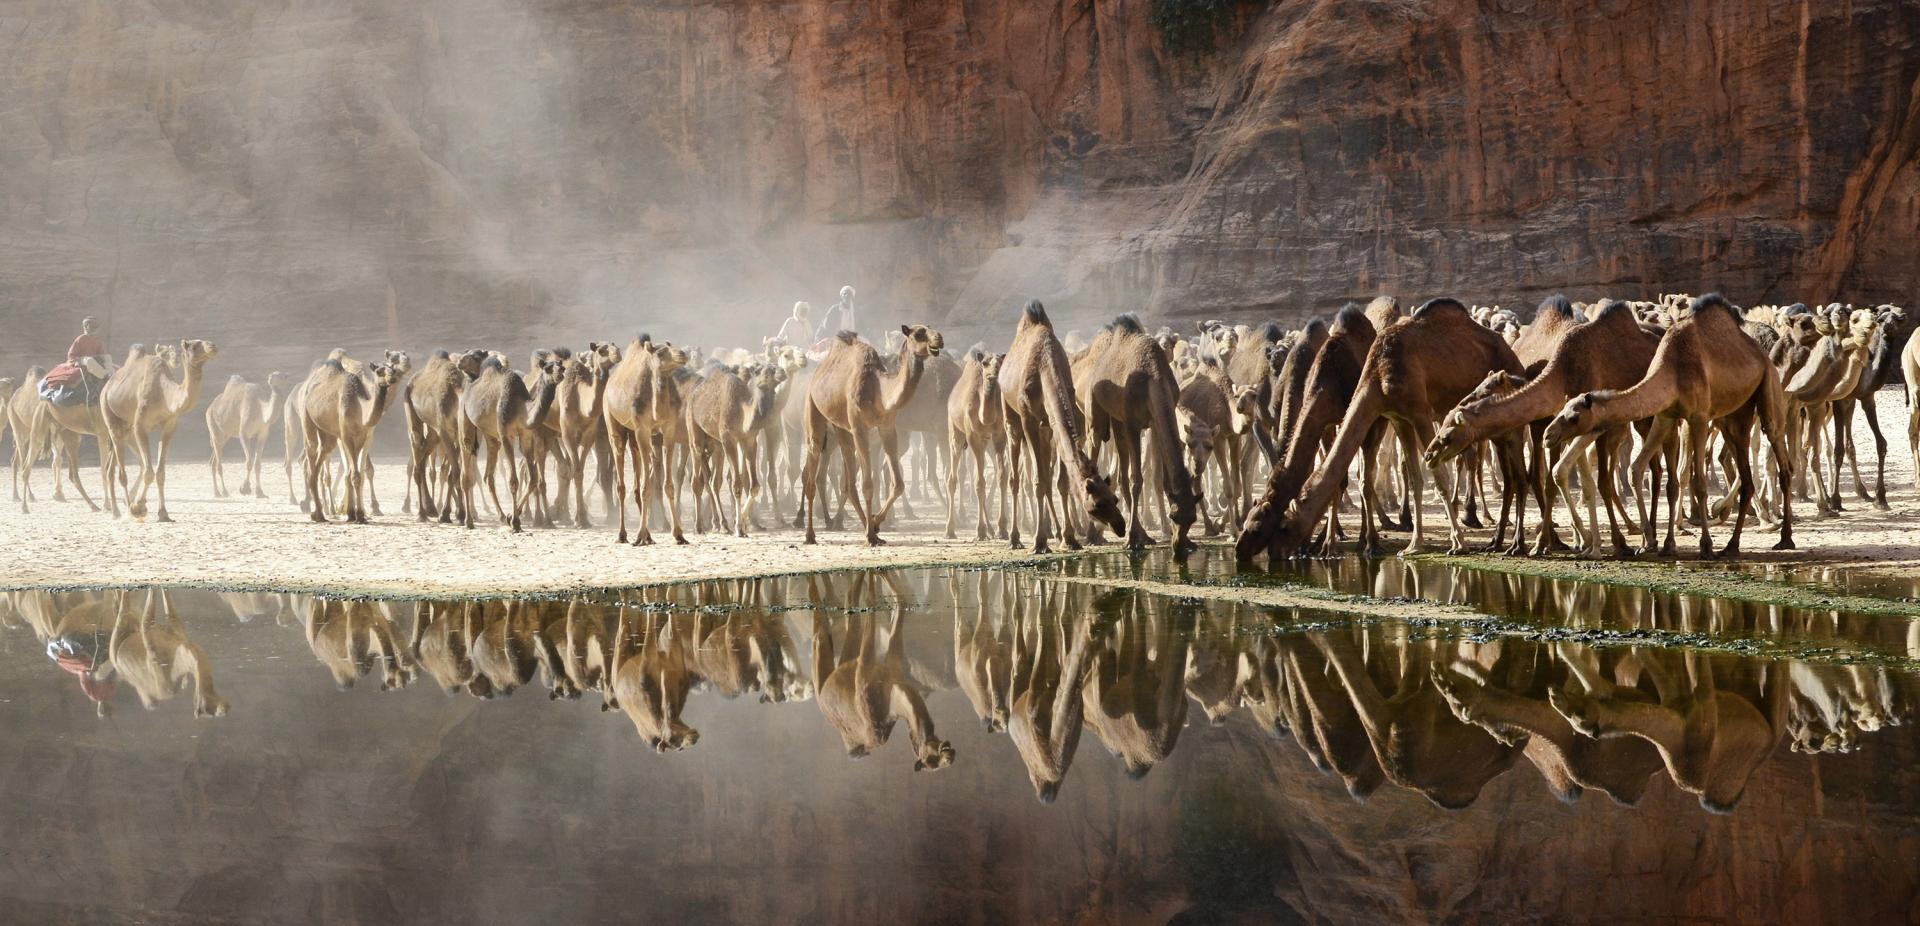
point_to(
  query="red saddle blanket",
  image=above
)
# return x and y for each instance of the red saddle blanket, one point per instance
(66, 374)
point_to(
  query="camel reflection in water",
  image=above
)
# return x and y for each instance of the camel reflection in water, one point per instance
(136, 637)
(1042, 659)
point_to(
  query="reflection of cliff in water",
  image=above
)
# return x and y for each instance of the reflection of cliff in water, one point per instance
(1244, 767)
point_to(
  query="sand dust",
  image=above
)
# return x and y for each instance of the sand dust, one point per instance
(254, 543)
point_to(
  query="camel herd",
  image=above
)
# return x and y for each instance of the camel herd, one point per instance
(1043, 659)
(1614, 403)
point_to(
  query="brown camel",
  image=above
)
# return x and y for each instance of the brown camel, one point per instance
(1427, 362)
(1036, 383)
(849, 398)
(1711, 736)
(340, 410)
(244, 411)
(1610, 352)
(863, 689)
(578, 421)
(1130, 390)
(1706, 369)
(634, 414)
(499, 412)
(1046, 711)
(1327, 386)
(976, 424)
(144, 399)
(1136, 697)
(431, 403)
(1896, 330)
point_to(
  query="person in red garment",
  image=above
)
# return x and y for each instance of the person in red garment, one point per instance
(87, 367)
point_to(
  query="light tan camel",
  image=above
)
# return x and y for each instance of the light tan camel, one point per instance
(339, 410)
(1131, 390)
(1211, 426)
(633, 416)
(977, 425)
(863, 689)
(431, 403)
(1707, 369)
(244, 412)
(1036, 383)
(144, 400)
(291, 428)
(59, 428)
(721, 409)
(850, 398)
(1047, 711)
(152, 652)
(500, 413)
(1610, 352)
(347, 636)
(579, 419)
(1416, 367)
(650, 677)
(1136, 698)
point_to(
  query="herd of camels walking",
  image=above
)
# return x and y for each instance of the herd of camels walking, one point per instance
(1042, 660)
(1614, 403)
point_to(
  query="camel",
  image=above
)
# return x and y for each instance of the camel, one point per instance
(499, 412)
(142, 400)
(1710, 738)
(431, 403)
(1705, 370)
(925, 416)
(59, 428)
(24, 409)
(1289, 381)
(849, 397)
(1426, 362)
(1131, 389)
(244, 411)
(634, 412)
(291, 430)
(1251, 364)
(1211, 426)
(1896, 330)
(347, 636)
(152, 652)
(983, 648)
(1036, 384)
(722, 411)
(649, 678)
(1831, 370)
(578, 421)
(977, 424)
(1046, 710)
(339, 409)
(863, 689)
(1612, 351)
(1327, 382)
(1135, 697)
(441, 644)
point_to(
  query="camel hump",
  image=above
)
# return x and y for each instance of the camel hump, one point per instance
(1035, 314)
(1711, 300)
(1271, 332)
(847, 337)
(1441, 305)
(1349, 318)
(1316, 329)
(1128, 323)
(1556, 304)
(236, 380)
(1615, 312)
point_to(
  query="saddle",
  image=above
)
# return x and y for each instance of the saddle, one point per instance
(69, 384)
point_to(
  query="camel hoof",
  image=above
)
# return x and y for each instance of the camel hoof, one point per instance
(810, 541)
(875, 541)
(1881, 505)
(1041, 549)
(951, 535)
(1786, 543)
(1729, 552)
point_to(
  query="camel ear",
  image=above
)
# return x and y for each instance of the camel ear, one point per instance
(906, 330)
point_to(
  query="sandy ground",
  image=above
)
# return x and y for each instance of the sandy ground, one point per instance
(270, 544)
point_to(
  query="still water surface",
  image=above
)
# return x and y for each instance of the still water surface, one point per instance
(949, 746)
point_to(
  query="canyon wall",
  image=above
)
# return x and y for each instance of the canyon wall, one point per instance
(290, 175)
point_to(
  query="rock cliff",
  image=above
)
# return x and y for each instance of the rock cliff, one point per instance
(292, 175)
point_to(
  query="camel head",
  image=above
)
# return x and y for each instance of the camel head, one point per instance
(399, 360)
(602, 355)
(1243, 408)
(1893, 319)
(1102, 505)
(1457, 431)
(1575, 418)
(668, 357)
(1197, 435)
(168, 354)
(471, 361)
(197, 353)
(922, 340)
(1800, 329)
(386, 374)
(679, 736)
(277, 381)
(935, 755)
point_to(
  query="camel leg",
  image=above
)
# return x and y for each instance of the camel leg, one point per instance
(160, 472)
(213, 463)
(1042, 475)
(1697, 479)
(492, 466)
(953, 482)
(1127, 450)
(889, 445)
(1879, 496)
(1739, 435)
(620, 480)
(1609, 492)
